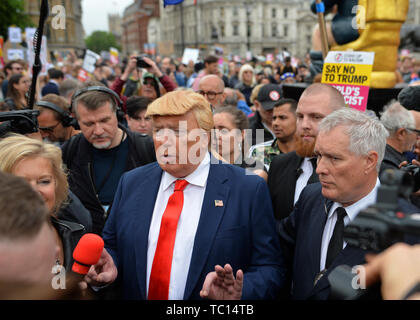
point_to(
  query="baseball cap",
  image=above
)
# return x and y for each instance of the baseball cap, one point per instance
(269, 95)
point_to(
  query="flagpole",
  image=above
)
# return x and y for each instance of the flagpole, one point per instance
(182, 28)
(320, 9)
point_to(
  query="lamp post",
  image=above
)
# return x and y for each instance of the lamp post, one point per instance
(248, 27)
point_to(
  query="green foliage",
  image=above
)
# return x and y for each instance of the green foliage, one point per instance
(101, 41)
(12, 13)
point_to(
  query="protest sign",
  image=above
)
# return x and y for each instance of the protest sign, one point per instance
(350, 73)
(190, 54)
(15, 54)
(15, 35)
(42, 55)
(90, 61)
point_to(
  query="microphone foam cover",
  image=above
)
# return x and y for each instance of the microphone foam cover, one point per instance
(87, 252)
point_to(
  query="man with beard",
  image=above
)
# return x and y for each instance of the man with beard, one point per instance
(103, 151)
(289, 173)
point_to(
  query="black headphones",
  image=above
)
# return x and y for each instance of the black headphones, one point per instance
(65, 118)
(117, 99)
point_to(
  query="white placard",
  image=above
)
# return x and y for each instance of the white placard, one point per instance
(190, 54)
(15, 35)
(42, 56)
(29, 34)
(90, 60)
(14, 54)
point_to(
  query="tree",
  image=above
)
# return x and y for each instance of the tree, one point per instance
(12, 13)
(101, 41)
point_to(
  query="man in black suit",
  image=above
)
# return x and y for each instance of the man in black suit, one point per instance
(289, 173)
(349, 148)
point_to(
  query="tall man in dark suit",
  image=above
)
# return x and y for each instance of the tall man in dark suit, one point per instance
(188, 227)
(289, 173)
(349, 148)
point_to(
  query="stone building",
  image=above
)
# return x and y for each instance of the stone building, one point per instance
(238, 26)
(72, 36)
(135, 22)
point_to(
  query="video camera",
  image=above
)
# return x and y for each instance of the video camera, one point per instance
(22, 122)
(376, 228)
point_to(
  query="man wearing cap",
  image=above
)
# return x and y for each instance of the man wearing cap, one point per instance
(261, 123)
(289, 173)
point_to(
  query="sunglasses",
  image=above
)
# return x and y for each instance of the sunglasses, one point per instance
(49, 129)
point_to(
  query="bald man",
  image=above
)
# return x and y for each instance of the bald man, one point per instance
(212, 88)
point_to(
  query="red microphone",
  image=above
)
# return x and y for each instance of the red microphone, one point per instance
(87, 253)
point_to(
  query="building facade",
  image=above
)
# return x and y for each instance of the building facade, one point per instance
(239, 26)
(135, 23)
(58, 39)
(115, 26)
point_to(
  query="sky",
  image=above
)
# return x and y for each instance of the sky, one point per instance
(95, 13)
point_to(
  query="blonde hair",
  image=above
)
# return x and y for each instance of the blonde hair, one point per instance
(247, 67)
(255, 91)
(179, 102)
(17, 147)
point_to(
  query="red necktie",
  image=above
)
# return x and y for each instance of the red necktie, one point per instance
(162, 262)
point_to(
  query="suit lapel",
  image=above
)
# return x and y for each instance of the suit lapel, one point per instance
(350, 256)
(317, 229)
(209, 222)
(145, 203)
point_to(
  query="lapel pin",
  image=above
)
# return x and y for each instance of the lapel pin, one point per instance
(218, 203)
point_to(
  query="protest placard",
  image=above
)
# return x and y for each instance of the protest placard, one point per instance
(90, 61)
(190, 54)
(350, 73)
(15, 35)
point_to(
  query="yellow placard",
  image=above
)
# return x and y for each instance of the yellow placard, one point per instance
(349, 74)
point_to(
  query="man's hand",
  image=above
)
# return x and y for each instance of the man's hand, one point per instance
(131, 66)
(102, 273)
(153, 67)
(222, 285)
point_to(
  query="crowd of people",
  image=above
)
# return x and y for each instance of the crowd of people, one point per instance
(204, 182)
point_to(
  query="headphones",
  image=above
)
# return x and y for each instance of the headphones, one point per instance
(65, 118)
(112, 93)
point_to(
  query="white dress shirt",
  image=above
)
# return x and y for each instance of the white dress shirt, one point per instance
(302, 181)
(352, 212)
(186, 229)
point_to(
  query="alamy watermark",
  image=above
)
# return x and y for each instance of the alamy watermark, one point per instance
(58, 22)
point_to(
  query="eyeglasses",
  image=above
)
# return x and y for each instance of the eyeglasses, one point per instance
(210, 94)
(49, 129)
(414, 130)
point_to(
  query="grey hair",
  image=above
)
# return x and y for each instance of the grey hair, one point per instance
(366, 133)
(394, 116)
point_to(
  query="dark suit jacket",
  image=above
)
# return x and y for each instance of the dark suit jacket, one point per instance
(50, 87)
(281, 181)
(301, 238)
(241, 232)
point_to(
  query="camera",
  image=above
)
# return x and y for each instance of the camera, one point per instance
(141, 63)
(381, 225)
(376, 228)
(21, 121)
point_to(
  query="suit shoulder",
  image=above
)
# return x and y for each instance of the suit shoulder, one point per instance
(142, 171)
(235, 173)
(284, 159)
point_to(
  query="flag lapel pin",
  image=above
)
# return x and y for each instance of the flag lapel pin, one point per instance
(218, 203)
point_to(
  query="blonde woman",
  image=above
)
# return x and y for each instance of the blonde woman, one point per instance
(41, 166)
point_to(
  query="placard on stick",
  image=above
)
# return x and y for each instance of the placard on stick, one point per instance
(350, 73)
